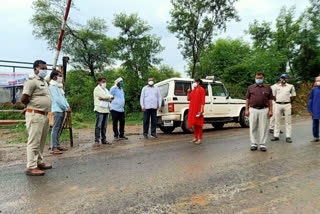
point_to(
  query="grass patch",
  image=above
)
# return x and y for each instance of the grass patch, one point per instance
(87, 120)
(11, 116)
(20, 129)
(134, 118)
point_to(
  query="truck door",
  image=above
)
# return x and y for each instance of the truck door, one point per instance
(208, 105)
(220, 107)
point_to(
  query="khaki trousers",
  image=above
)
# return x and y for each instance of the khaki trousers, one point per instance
(272, 119)
(258, 126)
(279, 110)
(38, 128)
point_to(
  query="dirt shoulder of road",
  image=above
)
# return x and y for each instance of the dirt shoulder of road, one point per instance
(15, 153)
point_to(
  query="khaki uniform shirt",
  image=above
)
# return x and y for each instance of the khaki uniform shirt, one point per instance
(283, 93)
(39, 93)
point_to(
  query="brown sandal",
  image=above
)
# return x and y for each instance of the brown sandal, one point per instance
(56, 152)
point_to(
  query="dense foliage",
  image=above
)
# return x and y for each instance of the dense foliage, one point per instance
(80, 86)
(290, 46)
(194, 22)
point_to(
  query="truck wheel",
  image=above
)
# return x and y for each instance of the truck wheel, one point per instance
(184, 126)
(244, 120)
(167, 130)
(218, 125)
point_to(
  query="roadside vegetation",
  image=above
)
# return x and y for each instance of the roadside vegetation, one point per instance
(290, 44)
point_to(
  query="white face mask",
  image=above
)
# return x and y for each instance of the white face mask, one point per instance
(59, 79)
(42, 73)
(194, 85)
(318, 83)
(150, 82)
(104, 85)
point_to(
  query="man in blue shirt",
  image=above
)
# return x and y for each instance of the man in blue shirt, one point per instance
(314, 108)
(150, 101)
(117, 109)
(59, 107)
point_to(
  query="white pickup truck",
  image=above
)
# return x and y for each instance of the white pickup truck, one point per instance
(219, 109)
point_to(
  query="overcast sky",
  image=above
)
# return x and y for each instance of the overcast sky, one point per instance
(18, 43)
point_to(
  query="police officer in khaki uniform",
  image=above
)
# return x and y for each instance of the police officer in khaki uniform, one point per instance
(284, 95)
(36, 96)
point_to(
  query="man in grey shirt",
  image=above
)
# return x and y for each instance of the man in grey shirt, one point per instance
(150, 101)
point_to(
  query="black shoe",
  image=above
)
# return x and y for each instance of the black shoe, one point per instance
(271, 131)
(116, 138)
(154, 136)
(275, 139)
(281, 132)
(253, 147)
(263, 148)
(123, 138)
(314, 140)
(145, 136)
(288, 140)
(104, 142)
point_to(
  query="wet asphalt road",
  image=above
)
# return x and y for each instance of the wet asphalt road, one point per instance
(172, 175)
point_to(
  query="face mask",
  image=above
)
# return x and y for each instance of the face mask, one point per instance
(42, 73)
(121, 84)
(104, 85)
(151, 82)
(318, 83)
(283, 81)
(194, 85)
(259, 81)
(59, 79)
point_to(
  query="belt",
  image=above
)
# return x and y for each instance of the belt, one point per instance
(282, 103)
(259, 107)
(36, 111)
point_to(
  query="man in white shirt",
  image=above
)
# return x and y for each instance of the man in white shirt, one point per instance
(102, 99)
(284, 95)
(150, 101)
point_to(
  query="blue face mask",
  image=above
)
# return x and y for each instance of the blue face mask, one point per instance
(259, 81)
(121, 84)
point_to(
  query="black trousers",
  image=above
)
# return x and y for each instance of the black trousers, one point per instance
(146, 120)
(118, 117)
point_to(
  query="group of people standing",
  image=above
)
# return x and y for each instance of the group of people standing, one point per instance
(41, 98)
(262, 101)
(113, 101)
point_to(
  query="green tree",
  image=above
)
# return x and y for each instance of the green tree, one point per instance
(162, 73)
(79, 90)
(87, 45)
(307, 62)
(221, 55)
(137, 50)
(281, 40)
(261, 34)
(285, 36)
(194, 22)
